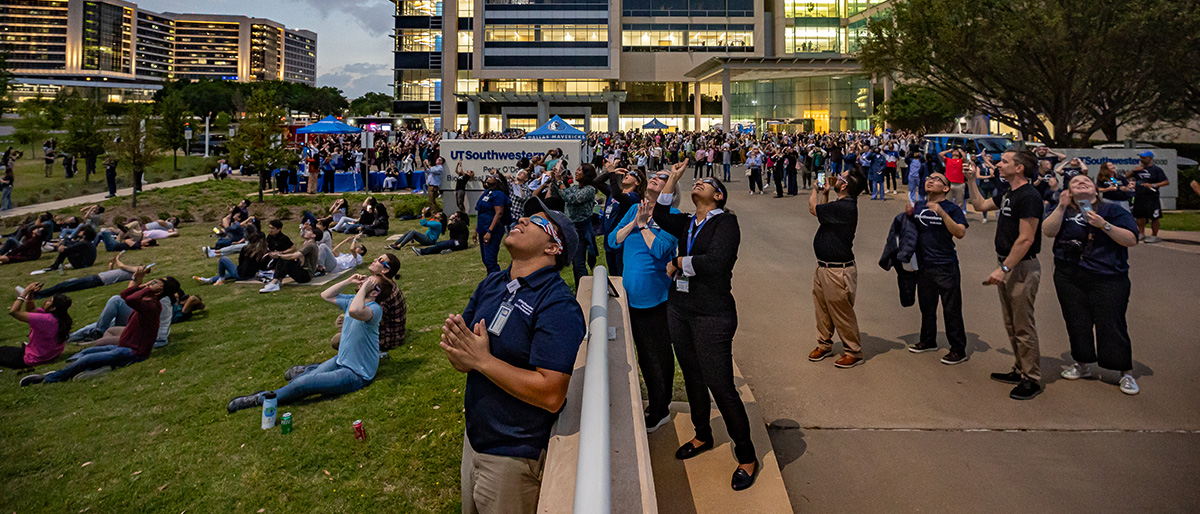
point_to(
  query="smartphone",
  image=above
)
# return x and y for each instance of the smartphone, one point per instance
(151, 265)
(821, 178)
(1084, 205)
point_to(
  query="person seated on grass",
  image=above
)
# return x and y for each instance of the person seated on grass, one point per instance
(242, 207)
(29, 247)
(49, 326)
(459, 229)
(337, 211)
(300, 264)
(126, 236)
(356, 362)
(395, 308)
(379, 221)
(231, 235)
(434, 223)
(117, 272)
(244, 229)
(365, 218)
(78, 250)
(135, 342)
(252, 258)
(332, 261)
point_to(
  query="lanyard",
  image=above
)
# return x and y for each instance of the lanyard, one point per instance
(694, 231)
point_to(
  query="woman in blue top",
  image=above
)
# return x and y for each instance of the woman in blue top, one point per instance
(434, 225)
(1091, 277)
(491, 219)
(647, 249)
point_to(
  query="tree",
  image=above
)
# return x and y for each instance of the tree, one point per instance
(30, 128)
(1055, 69)
(172, 115)
(85, 136)
(370, 103)
(5, 82)
(918, 108)
(132, 146)
(258, 141)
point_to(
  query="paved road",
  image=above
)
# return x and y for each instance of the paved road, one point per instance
(904, 433)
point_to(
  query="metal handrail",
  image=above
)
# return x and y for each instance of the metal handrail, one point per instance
(593, 473)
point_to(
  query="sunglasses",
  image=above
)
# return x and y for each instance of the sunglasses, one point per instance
(708, 181)
(384, 262)
(546, 225)
(662, 176)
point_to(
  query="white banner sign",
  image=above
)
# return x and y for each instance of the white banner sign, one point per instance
(487, 156)
(1126, 159)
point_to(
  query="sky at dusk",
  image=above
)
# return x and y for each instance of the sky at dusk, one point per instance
(354, 49)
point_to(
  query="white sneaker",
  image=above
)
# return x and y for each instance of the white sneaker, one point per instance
(208, 253)
(1152, 240)
(37, 272)
(1077, 371)
(20, 290)
(271, 287)
(1129, 385)
(985, 221)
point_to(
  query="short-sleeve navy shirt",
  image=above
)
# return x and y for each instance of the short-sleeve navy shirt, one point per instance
(544, 330)
(486, 209)
(935, 243)
(1150, 175)
(1101, 255)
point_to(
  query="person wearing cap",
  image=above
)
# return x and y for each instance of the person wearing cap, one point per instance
(491, 213)
(702, 316)
(1147, 207)
(835, 280)
(516, 340)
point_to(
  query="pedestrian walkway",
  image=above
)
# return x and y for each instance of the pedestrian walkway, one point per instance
(96, 198)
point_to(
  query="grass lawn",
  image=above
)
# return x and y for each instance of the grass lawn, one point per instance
(123, 443)
(32, 185)
(1181, 220)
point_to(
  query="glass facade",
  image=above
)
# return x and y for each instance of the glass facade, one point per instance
(671, 37)
(689, 8)
(824, 103)
(106, 37)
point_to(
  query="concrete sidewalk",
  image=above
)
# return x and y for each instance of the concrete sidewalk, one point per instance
(96, 198)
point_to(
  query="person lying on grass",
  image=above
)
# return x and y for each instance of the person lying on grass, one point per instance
(116, 314)
(117, 272)
(129, 237)
(49, 326)
(135, 342)
(24, 246)
(252, 258)
(78, 250)
(358, 357)
(332, 261)
(300, 264)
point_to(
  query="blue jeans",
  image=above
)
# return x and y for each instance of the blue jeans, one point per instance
(116, 313)
(94, 358)
(490, 252)
(111, 243)
(413, 235)
(68, 233)
(226, 270)
(877, 188)
(67, 286)
(326, 378)
(309, 217)
(6, 199)
(726, 179)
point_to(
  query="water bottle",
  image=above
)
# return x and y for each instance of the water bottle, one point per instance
(269, 404)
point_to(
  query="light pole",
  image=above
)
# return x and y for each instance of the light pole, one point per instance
(206, 134)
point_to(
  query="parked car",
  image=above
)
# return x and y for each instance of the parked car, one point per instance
(973, 144)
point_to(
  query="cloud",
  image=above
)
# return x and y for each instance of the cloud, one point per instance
(357, 79)
(375, 16)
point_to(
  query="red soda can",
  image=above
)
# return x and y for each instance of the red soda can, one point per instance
(360, 433)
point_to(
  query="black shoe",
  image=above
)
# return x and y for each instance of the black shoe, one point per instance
(32, 379)
(1026, 390)
(688, 451)
(655, 422)
(953, 358)
(1012, 377)
(742, 480)
(244, 402)
(923, 347)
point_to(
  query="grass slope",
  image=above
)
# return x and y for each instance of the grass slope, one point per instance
(32, 185)
(155, 437)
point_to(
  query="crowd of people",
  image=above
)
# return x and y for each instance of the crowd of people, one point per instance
(518, 334)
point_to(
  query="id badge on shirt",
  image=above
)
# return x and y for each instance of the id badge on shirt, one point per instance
(501, 318)
(681, 284)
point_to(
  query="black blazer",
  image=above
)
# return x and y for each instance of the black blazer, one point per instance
(710, 291)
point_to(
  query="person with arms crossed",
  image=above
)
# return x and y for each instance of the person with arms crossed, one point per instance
(938, 223)
(1017, 245)
(517, 341)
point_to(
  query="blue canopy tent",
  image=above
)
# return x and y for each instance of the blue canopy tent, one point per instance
(331, 125)
(328, 125)
(556, 128)
(655, 125)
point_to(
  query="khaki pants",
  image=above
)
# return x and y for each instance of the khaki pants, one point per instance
(1017, 295)
(833, 296)
(492, 484)
(958, 195)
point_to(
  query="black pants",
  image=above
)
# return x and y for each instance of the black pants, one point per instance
(756, 179)
(889, 177)
(286, 268)
(80, 254)
(696, 172)
(704, 347)
(327, 182)
(792, 185)
(1093, 307)
(808, 178)
(67, 286)
(778, 182)
(13, 357)
(652, 340)
(110, 176)
(944, 283)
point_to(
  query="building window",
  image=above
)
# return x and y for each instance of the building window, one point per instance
(419, 40)
(811, 8)
(811, 39)
(419, 8)
(545, 33)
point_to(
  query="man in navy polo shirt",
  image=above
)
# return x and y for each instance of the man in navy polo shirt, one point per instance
(516, 341)
(1148, 178)
(938, 222)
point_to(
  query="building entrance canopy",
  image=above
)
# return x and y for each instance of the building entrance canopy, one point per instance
(768, 68)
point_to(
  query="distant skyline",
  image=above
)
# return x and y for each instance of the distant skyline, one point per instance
(354, 47)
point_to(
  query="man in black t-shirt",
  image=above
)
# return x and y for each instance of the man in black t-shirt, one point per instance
(461, 179)
(1017, 245)
(1147, 206)
(938, 222)
(836, 279)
